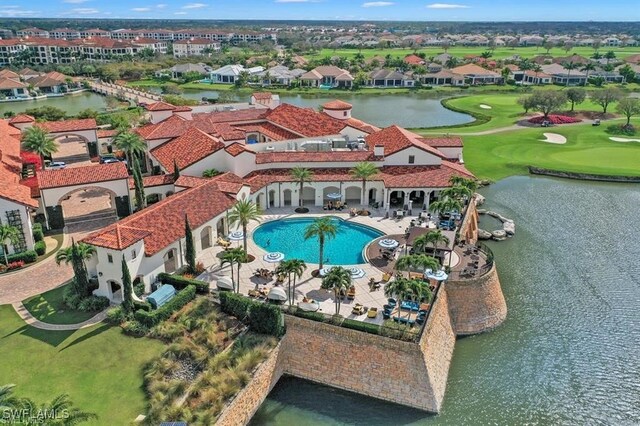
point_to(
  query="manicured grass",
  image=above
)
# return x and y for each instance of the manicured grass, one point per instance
(99, 367)
(48, 307)
(461, 51)
(588, 150)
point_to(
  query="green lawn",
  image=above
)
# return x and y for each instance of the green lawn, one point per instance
(49, 307)
(588, 150)
(461, 51)
(99, 367)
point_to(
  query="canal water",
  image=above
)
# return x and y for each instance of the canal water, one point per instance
(71, 104)
(569, 351)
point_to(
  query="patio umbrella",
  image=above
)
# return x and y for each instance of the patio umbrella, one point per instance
(236, 236)
(356, 273)
(388, 243)
(439, 275)
(277, 293)
(334, 196)
(225, 283)
(324, 271)
(273, 257)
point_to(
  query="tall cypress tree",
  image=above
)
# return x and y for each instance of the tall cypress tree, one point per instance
(190, 251)
(81, 280)
(176, 171)
(127, 298)
(141, 200)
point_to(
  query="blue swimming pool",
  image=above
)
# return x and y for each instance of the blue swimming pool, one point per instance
(287, 236)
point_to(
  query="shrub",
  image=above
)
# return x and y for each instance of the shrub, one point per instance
(554, 119)
(134, 328)
(70, 298)
(93, 304)
(40, 247)
(15, 265)
(149, 319)
(116, 316)
(234, 304)
(179, 282)
(138, 289)
(313, 316)
(361, 326)
(621, 129)
(144, 306)
(28, 256)
(38, 234)
(265, 318)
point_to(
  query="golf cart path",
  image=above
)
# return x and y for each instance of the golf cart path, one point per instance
(506, 129)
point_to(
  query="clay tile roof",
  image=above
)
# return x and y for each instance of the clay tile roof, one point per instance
(413, 59)
(161, 224)
(260, 178)
(190, 181)
(22, 118)
(395, 139)
(82, 175)
(473, 69)
(107, 133)
(270, 130)
(151, 181)
(337, 105)
(187, 149)
(422, 176)
(10, 83)
(68, 125)
(315, 157)
(361, 125)
(304, 121)
(6, 73)
(10, 167)
(262, 96)
(160, 106)
(448, 142)
(183, 108)
(237, 148)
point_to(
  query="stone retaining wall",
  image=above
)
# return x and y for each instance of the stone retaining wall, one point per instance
(469, 226)
(583, 176)
(476, 305)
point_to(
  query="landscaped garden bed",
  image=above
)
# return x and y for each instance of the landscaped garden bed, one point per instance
(50, 307)
(554, 119)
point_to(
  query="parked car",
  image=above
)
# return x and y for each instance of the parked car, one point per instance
(546, 123)
(596, 122)
(56, 165)
(107, 158)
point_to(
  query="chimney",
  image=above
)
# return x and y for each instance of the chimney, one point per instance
(378, 151)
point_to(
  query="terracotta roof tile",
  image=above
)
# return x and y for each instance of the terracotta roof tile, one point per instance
(260, 178)
(11, 166)
(82, 175)
(319, 157)
(270, 130)
(187, 149)
(422, 176)
(262, 96)
(22, 118)
(237, 148)
(337, 105)
(163, 223)
(447, 142)
(160, 106)
(151, 181)
(395, 139)
(190, 181)
(107, 133)
(304, 121)
(68, 125)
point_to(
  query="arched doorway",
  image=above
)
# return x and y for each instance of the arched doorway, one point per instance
(91, 207)
(417, 197)
(352, 195)
(286, 195)
(396, 199)
(221, 227)
(373, 195)
(205, 238)
(309, 196)
(170, 261)
(73, 149)
(330, 190)
(260, 201)
(115, 289)
(272, 198)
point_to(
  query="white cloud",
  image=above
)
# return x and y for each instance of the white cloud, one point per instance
(446, 6)
(180, 13)
(194, 6)
(74, 1)
(16, 12)
(377, 4)
(161, 6)
(84, 11)
(141, 9)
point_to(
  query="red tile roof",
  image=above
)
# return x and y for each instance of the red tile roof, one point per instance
(446, 142)
(187, 149)
(161, 224)
(304, 121)
(237, 148)
(107, 133)
(22, 118)
(262, 96)
(337, 105)
(422, 176)
(260, 178)
(361, 125)
(190, 181)
(151, 181)
(82, 175)
(68, 125)
(160, 106)
(413, 60)
(269, 130)
(11, 166)
(319, 157)
(182, 108)
(473, 69)
(395, 139)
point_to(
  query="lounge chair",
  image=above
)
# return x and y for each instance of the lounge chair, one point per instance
(254, 293)
(372, 313)
(358, 309)
(223, 243)
(351, 294)
(386, 277)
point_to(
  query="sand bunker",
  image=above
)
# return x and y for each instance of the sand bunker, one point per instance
(483, 106)
(554, 138)
(615, 139)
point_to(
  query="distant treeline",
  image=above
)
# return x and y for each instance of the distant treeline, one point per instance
(594, 28)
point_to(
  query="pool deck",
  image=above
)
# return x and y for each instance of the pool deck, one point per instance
(307, 285)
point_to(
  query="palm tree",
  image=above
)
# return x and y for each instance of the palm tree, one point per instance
(234, 256)
(7, 400)
(301, 175)
(338, 279)
(11, 234)
(418, 291)
(398, 289)
(60, 404)
(588, 67)
(242, 213)
(322, 228)
(65, 254)
(130, 143)
(37, 140)
(462, 181)
(609, 55)
(446, 205)
(285, 268)
(364, 171)
(569, 66)
(433, 238)
(415, 261)
(457, 192)
(298, 266)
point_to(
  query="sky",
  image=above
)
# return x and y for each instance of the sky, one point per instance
(406, 10)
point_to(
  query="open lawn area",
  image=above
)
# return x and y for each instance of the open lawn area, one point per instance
(48, 307)
(461, 51)
(588, 150)
(99, 367)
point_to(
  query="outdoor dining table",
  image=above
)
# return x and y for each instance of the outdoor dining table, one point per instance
(400, 213)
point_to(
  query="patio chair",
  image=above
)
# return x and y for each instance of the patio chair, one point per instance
(386, 277)
(372, 313)
(351, 294)
(358, 309)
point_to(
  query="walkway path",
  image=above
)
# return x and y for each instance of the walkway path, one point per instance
(129, 93)
(32, 321)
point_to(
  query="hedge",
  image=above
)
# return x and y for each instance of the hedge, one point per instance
(179, 282)
(313, 316)
(265, 318)
(28, 256)
(234, 304)
(361, 326)
(149, 319)
(40, 247)
(38, 234)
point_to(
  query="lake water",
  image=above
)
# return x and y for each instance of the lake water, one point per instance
(71, 104)
(406, 110)
(569, 351)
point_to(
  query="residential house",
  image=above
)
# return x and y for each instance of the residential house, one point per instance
(194, 47)
(607, 76)
(179, 70)
(65, 33)
(532, 40)
(328, 76)
(536, 78)
(442, 78)
(52, 82)
(32, 32)
(475, 74)
(231, 73)
(280, 75)
(12, 88)
(561, 75)
(384, 77)
(414, 60)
